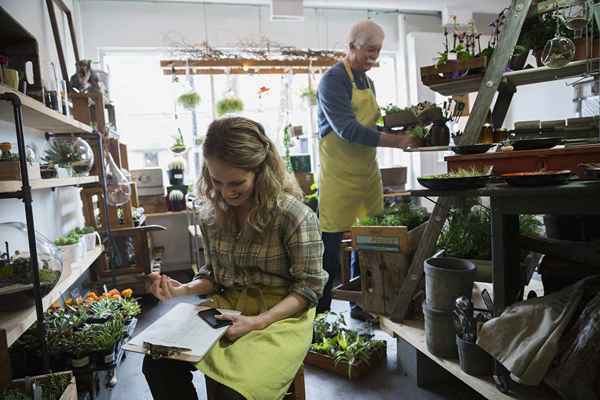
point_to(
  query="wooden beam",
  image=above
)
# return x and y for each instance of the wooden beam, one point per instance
(5, 373)
(238, 62)
(236, 71)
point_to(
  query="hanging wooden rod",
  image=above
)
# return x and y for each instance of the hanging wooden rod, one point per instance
(241, 62)
(237, 71)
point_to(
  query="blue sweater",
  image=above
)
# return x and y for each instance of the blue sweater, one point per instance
(334, 99)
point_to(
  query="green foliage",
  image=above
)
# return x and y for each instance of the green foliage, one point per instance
(229, 105)
(67, 240)
(310, 95)
(130, 308)
(460, 173)
(333, 338)
(403, 214)
(417, 132)
(106, 335)
(54, 386)
(84, 230)
(189, 100)
(467, 233)
(390, 109)
(18, 270)
(287, 143)
(61, 153)
(462, 54)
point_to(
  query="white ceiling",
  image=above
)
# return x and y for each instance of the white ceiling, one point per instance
(488, 6)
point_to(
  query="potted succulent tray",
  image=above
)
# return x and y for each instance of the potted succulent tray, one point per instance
(453, 69)
(398, 229)
(59, 386)
(10, 167)
(460, 179)
(344, 351)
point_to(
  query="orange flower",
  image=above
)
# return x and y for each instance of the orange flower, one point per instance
(69, 301)
(113, 292)
(91, 296)
(127, 293)
(55, 305)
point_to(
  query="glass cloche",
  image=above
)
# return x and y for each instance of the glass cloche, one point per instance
(85, 157)
(73, 153)
(16, 277)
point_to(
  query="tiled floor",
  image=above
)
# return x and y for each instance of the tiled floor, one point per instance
(386, 382)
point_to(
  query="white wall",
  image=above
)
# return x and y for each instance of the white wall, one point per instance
(55, 212)
(147, 24)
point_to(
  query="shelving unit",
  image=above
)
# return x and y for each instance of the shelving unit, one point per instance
(427, 148)
(515, 78)
(39, 184)
(16, 323)
(37, 116)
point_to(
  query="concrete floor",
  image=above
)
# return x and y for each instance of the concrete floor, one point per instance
(386, 382)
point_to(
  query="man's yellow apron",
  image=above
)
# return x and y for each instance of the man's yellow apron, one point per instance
(350, 181)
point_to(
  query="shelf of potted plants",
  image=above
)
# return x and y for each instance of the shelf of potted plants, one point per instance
(16, 323)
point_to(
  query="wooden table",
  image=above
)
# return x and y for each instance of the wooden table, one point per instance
(505, 162)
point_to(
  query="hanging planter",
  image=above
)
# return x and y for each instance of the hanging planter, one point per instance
(189, 100)
(310, 96)
(229, 105)
(179, 146)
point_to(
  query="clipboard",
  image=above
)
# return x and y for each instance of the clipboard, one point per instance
(179, 335)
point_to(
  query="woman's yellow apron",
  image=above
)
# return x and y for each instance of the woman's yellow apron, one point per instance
(260, 365)
(350, 181)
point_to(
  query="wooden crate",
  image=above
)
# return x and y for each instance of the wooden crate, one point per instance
(11, 171)
(359, 369)
(153, 204)
(386, 238)
(433, 74)
(70, 392)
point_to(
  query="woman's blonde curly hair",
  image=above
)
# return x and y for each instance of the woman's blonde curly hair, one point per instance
(242, 143)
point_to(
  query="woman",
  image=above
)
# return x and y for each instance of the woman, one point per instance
(263, 257)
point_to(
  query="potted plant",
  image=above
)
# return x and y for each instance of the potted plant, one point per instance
(341, 350)
(80, 347)
(189, 100)
(10, 168)
(56, 386)
(176, 200)
(229, 105)
(61, 155)
(71, 250)
(467, 234)
(309, 95)
(106, 336)
(175, 171)
(179, 146)
(89, 237)
(537, 31)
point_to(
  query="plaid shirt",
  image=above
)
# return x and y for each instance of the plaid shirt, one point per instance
(289, 253)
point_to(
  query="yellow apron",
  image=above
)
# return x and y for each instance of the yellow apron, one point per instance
(350, 181)
(260, 365)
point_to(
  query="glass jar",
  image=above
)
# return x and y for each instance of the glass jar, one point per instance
(487, 134)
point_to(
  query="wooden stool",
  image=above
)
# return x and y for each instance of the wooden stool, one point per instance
(295, 391)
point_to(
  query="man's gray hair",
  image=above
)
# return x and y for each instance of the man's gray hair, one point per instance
(365, 33)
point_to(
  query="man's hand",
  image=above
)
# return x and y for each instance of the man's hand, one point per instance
(241, 325)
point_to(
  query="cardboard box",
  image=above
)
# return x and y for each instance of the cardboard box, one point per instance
(149, 181)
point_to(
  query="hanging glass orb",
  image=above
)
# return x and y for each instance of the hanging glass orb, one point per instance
(558, 52)
(84, 157)
(118, 186)
(16, 276)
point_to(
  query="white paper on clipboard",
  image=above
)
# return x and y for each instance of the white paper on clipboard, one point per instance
(181, 327)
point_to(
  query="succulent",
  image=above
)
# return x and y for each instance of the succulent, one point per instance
(178, 164)
(176, 195)
(62, 153)
(179, 146)
(67, 240)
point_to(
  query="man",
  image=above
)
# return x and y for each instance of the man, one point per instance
(350, 182)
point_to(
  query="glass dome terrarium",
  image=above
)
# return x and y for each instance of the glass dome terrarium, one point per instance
(85, 157)
(16, 276)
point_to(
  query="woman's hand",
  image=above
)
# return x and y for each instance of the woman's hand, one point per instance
(241, 324)
(165, 288)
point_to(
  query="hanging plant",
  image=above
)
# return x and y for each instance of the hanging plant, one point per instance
(287, 143)
(309, 95)
(189, 100)
(229, 105)
(179, 146)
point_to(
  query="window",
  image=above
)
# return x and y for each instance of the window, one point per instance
(148, 116)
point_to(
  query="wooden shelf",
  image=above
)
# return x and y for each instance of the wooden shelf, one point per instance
(414, 333)
(517, 78)
(16, 323)
(427, 148)
(38, 184)
(166, 214)
(37, 116)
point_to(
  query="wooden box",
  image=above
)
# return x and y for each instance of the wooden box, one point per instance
(386, 238)
(153, 204)
(358, 370)
(451, 70)
(11, 171)
(70, 392)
